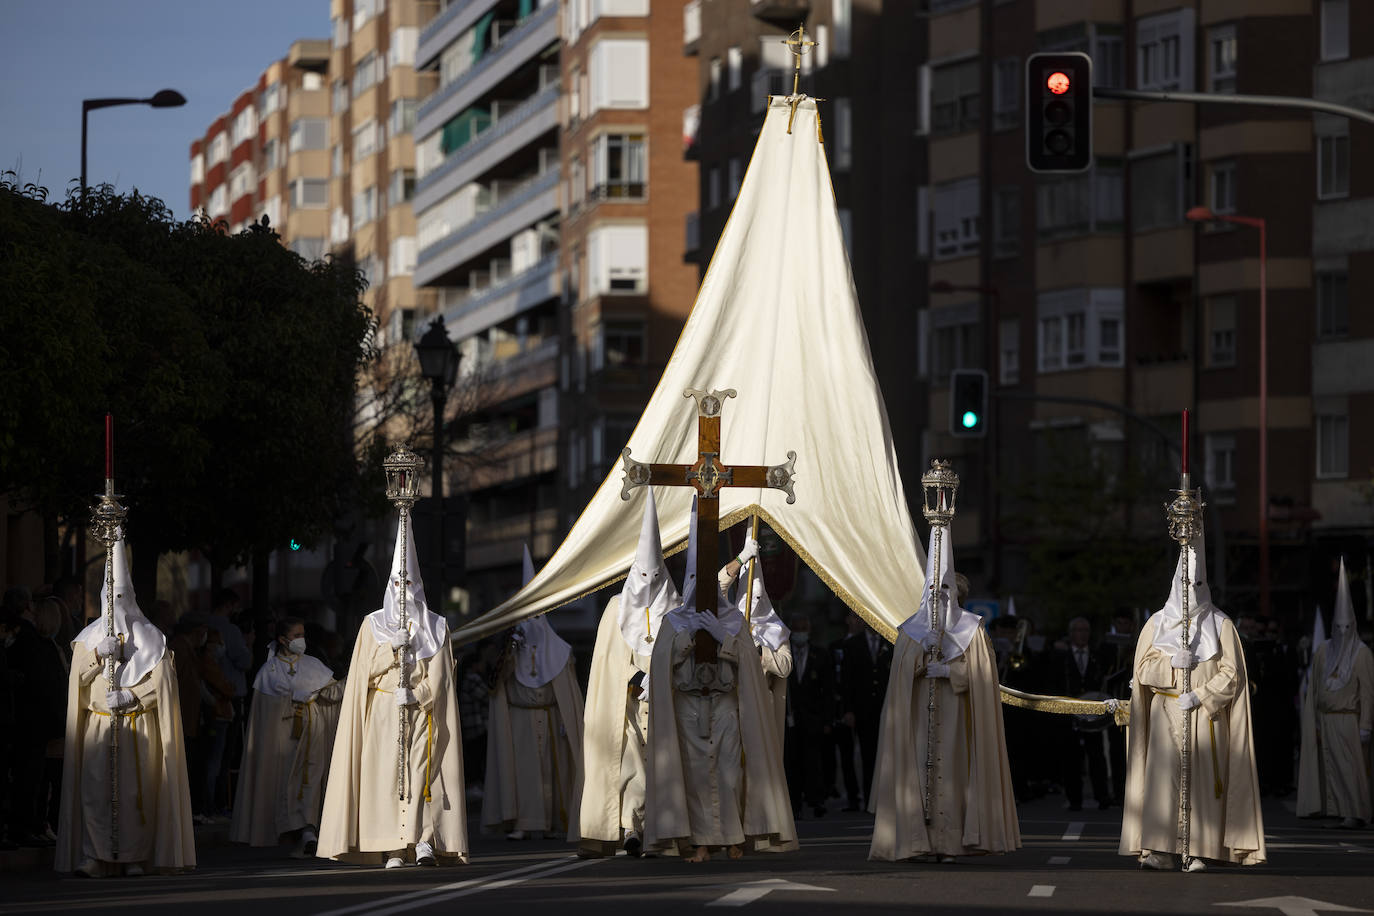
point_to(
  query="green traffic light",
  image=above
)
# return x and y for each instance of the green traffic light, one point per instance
(970, 419)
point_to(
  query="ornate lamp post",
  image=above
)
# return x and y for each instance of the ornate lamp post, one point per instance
(439, 360)
(940, 490)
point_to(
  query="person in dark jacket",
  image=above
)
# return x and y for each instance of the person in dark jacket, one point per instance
(810, 710)
(863, 685)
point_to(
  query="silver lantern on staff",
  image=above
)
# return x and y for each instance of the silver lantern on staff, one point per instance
(403, 468)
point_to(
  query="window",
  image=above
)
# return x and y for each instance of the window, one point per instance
(618, 71)
(340, 31)
(311, 81)
(338, 226)
(339, 93)
(367, 74)
(716, 69)
(617, 259)
(1089, 202)
(622, 344)
(401, 260)
(373, 270)
(311, 193)
(1006, 93)
(1078, 328)
(402, 119)
(1223, 187)
(1158, 185)
(734, 66)
(363, 10)
(1006, 221)
(1335, 29)
(1100, 41)
(956, 219)
(1333, 166)
(841, 16)
(1221, 331)
(364, 207)
(219, 149)
(1333, 444)
(713, 187)
(1009, 351)
(1164, 51)
(1333, 310)
(336, 160)
(402, 186)
(271, 155)
(954, 97)
(1221, 465)
(404, 41)
(1221, 59)
(619, 164)
(197, 168)
(954, 340)
(312, 249)
(243, 180)
(617, 8)
(366, 140)
(735, 176)
(308, 133)
(272, 99)
(843, 136)
(219, 201)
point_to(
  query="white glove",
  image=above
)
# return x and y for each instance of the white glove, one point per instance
(107, 648)
(1184, 659)
(301, 695)
(750, 551)
(405, 697)
(937, 669)
(1364, 736)
(118, 699)
(713, 625)
(1188, 701)
(400, 639)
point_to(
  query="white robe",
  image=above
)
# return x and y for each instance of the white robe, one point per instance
(1226, 824)
(715, 775)
(973, 807)
(534, 756)
(363, 818)
(281, 778)
(155, 828)
(1334, 771)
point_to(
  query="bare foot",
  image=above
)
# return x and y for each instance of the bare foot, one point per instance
(735, 852)
(701, 855)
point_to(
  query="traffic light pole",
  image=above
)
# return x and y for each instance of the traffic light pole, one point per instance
(1210, 98)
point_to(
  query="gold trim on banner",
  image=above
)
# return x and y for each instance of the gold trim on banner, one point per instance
(1066, 706)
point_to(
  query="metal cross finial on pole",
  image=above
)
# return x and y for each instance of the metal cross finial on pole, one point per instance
(940, 487)
(798, 44)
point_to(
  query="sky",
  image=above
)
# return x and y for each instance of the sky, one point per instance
(54, 53)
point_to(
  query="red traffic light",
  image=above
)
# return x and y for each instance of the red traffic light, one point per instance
(1058, 82)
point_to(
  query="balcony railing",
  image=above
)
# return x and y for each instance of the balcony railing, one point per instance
(501, 204)
(501, 127)
(536, 272)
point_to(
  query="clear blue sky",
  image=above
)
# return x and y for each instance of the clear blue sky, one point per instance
(54, 53)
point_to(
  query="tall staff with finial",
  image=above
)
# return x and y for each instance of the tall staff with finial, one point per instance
(107, 523)
(1185, 523)
(403, 489)
(798, 44)
(941, 486)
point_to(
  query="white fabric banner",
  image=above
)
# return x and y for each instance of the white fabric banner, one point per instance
(778, 320)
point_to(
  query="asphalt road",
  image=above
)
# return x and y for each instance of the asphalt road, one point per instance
(1068, 864)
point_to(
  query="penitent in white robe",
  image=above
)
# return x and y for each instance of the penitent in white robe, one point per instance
(285, 760)
(973, 808)
(155, 829)
(363, 818)
(534, 756)
(1334, 772)
(1224, 795)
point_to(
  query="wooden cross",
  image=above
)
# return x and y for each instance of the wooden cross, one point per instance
(707, 476)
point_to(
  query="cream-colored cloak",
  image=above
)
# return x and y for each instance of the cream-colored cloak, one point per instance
(764, 808)
(281, 778)
(155, 827)
(1224, 793)
(1333, 771)
(534, 756)
(973, 805)
(363, 818)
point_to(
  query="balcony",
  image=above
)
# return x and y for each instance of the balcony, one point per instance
(524, 124)
(511, 211)
(500, 541)
(503, 301)
(525, 372)
(691, 27)
(446, 28)
(516, 49)
(788, 12)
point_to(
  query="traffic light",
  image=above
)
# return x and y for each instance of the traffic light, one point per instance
(968, 403)
(1059, 112)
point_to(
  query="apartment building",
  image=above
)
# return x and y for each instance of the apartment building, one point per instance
(487, 217)
(267, 155)
(863, 66)
(1097, 285)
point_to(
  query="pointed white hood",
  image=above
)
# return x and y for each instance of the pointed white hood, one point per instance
(686, 616)
(542, 653)
(1345, 643)
(149, 645)
(1204, 628)
(1318, 630)
(960, 625)
(428, 629)
(764, 623)
(649, 591)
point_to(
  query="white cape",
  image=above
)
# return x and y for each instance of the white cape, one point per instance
(778, 320)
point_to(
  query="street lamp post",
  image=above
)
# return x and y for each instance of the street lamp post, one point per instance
(167, 98)
(1204, 215)
(439, 360)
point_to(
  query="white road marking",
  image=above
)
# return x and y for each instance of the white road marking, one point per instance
(1074, 832)
(1041, 890)
(1294, 906)
(1059, 860)
(750, 891)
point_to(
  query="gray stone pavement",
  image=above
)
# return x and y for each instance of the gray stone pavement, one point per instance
(1068, 865)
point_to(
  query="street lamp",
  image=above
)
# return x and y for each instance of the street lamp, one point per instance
(439, 360)
(1205, 215)
(167, 98)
